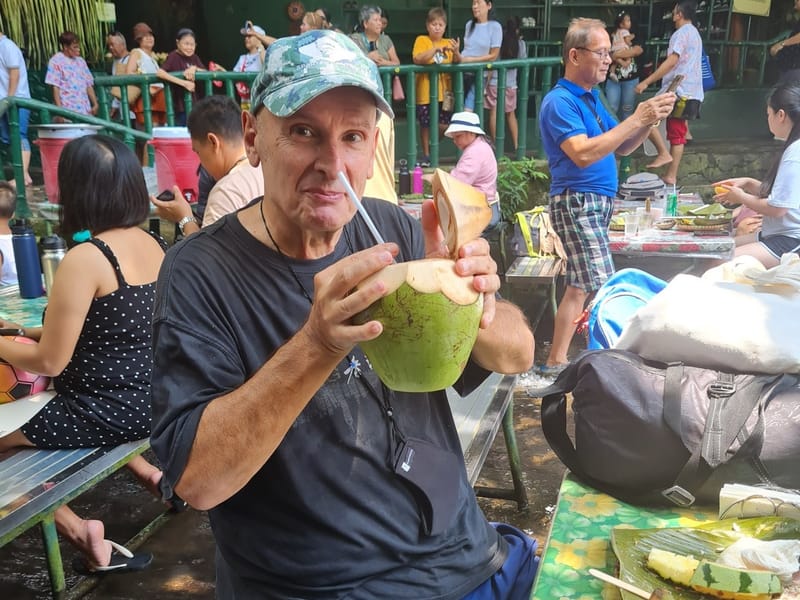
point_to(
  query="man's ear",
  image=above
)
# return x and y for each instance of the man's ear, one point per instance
(249, 137)
(214, 141)
(573, 55)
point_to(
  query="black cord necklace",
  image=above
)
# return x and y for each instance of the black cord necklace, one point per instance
(383, 399)
(284, 258)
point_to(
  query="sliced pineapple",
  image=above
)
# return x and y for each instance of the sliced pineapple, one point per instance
(675, 567)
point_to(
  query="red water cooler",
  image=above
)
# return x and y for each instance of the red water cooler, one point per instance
(52, 139)
(176, 162)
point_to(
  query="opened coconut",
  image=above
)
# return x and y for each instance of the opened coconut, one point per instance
(462, 210)
(430, 314)
(430, 321)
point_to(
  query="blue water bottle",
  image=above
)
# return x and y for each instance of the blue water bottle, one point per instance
(26, 255)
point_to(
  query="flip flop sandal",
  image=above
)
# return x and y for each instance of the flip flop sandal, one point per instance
(122, 561)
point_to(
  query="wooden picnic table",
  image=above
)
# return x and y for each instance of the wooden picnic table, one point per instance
(580, 539)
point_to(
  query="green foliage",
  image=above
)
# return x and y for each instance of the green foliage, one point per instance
(35, 26)
(514, 179)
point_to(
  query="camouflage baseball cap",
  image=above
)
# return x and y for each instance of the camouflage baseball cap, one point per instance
(300, 68)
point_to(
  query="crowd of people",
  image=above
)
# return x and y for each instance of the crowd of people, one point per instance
(242, 371)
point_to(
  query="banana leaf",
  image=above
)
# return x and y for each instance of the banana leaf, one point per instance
(704, 541)
(709, 210)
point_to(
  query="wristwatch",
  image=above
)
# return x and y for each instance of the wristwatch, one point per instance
(182, 223)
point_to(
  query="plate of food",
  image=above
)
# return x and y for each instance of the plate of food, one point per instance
(713, 220)
(709, 210)
(617, 222)
(737, 559)
(664, 224)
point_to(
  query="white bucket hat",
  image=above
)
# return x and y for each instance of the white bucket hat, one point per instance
(464, 121)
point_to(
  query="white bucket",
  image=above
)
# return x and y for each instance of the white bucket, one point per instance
(66, 131)
(170, 132)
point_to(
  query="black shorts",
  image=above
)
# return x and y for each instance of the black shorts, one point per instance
(778, 245)
(424, 115)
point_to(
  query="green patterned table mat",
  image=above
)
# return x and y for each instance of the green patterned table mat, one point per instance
(580, 539)
(24, 311)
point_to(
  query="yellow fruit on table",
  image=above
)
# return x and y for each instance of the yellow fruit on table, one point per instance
(675, 567)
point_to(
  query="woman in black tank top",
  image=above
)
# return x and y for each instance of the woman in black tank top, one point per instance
(95, 340)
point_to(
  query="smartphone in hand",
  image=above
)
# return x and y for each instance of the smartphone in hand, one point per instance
(10, 331)
(166, 196)
(673, 85)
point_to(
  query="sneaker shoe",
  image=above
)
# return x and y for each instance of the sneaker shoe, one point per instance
(425, 161)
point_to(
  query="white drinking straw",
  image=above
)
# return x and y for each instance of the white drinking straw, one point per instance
(351, 192)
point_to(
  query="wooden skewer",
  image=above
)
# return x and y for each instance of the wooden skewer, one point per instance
(625, 586)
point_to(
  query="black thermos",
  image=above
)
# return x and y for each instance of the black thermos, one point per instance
(405, 178)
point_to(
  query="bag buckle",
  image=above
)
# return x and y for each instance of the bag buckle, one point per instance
(679, 495)
(724, 386)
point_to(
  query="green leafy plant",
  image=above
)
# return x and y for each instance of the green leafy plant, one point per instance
(36, 26)
(514, 179)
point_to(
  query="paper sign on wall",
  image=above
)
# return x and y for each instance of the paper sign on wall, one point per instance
(106, 12)
(759, 8)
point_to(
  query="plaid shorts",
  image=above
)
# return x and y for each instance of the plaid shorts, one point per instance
(581, 220)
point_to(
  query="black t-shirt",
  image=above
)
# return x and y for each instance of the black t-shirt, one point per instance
(325, 517)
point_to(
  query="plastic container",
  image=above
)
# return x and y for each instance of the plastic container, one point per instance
(417, 185)
(176, 162)
(53, 250)
(26, 255)
(52, 139)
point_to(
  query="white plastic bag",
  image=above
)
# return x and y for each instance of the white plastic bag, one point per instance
(734, 327)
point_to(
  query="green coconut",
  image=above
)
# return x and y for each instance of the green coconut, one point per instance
(430, 320)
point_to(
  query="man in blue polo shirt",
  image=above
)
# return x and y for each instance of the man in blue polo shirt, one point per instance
(580, 139)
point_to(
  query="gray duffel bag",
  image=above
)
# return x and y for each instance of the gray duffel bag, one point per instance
(652, 433)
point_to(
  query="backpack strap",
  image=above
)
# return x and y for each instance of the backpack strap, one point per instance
(525, 219)
(730, 405)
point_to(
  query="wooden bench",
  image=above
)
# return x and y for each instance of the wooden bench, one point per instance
(527, 273)
(34, 483)
(478, 417)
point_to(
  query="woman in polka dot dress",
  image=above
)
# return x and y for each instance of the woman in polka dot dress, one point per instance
(95, 340)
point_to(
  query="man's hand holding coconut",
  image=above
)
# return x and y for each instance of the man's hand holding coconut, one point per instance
(325, 473)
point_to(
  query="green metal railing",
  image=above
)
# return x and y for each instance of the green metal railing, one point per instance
(536, 75)
(543, 71)
(46, 112)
